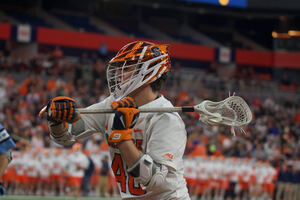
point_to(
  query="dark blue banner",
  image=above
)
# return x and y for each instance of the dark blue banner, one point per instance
(232, 3)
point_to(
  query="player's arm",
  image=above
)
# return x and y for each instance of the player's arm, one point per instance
(66, 124)
(3, 164)
(6, 144)
(126, 115)
(129, 152)
(141, 166)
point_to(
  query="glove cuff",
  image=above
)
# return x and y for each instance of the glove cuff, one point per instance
(76, 118)
(120, 135)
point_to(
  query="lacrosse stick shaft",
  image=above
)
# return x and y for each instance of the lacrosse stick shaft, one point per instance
(142, 110)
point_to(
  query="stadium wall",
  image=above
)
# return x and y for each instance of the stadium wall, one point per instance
(93, 41)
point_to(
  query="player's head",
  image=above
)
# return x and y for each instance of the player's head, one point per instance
(57, 151)
(135, 65)
(46, 152)
(34, 154)
(77, 147)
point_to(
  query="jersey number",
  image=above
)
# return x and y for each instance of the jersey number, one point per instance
(117, 167)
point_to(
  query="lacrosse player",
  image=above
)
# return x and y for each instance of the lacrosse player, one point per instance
(6, 144)
(146, 149)
(77, 163)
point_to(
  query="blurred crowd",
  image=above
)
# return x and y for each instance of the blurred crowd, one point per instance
(58, 171)
(28, 82)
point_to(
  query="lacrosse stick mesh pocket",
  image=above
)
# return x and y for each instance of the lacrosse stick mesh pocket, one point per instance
(233, 111)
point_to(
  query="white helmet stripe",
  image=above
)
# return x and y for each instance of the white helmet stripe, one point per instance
(142, 54)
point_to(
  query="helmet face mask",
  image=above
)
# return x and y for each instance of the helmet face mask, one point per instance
(132, 68)
(121, 77)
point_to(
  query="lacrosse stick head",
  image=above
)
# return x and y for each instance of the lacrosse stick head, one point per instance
(232, 111)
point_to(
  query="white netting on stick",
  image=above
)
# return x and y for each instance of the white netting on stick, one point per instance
(233, 111)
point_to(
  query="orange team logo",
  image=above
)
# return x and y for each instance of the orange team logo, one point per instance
(168, 155)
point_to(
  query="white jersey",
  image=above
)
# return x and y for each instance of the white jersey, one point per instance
(245, 172)
(32, 167)
(260, 173)
(190, 169)
(271, 174)
(19, 164)
(161, 136)
(45, 166)
(216, 171)
(202, 170)
(78, 162)
(58, 163)
(234, 172)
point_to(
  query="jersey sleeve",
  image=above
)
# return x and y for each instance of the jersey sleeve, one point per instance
(96, 122)
(6, 143)
(167, 141)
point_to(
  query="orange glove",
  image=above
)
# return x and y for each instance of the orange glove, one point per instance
(127, 102)
(62, 109)
(126, 115)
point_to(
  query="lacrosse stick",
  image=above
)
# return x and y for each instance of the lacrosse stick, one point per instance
(232, 111)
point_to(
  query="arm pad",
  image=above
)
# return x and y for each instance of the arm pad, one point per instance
(148, 173)
(68, 137)
(64, 138)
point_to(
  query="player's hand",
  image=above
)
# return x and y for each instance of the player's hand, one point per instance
(62, 109)
(127, 102)
(126, 115)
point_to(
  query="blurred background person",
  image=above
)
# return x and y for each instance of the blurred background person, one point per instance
(88, 172)
(58, 167)
(77, 164)
(45, 169)
(103, 176)
(32, 172)
(6, 144)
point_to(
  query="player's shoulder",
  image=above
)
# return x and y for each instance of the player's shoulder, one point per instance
(105, 103)
(162, 102)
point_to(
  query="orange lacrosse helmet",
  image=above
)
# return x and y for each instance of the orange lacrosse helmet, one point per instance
(136, 64)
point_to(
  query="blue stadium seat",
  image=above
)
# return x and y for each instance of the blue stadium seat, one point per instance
(28, 19)
(79, 22)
